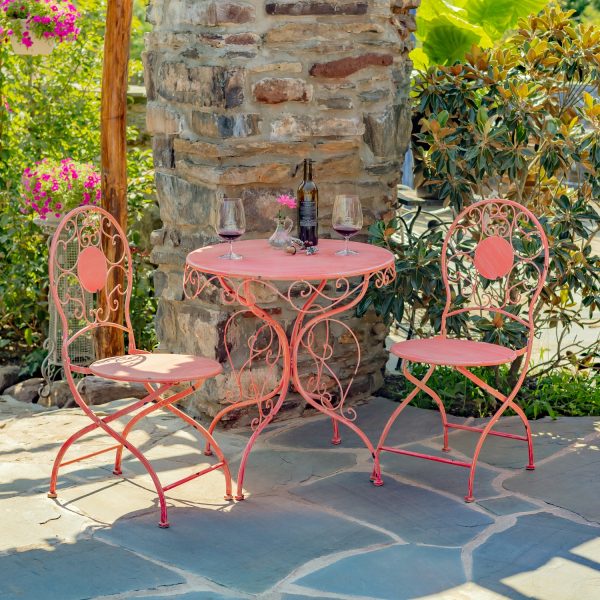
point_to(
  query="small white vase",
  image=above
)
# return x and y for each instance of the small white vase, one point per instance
(40, 46)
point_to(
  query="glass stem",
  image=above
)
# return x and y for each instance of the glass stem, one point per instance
(230, 248)
(346, 238)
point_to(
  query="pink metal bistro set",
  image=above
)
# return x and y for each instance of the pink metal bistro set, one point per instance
(494, 261)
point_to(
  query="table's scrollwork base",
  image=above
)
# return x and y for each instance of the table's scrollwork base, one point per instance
(317, 306)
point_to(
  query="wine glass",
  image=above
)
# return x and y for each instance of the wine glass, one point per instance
(230, 223)
(347, 219)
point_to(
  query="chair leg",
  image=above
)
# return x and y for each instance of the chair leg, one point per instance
(164, 522)
(336, 440)
(209, 440)
(435, 396)
(376, 474)
(61, 453)
(166, 403)
(530, 463)
(486, 430)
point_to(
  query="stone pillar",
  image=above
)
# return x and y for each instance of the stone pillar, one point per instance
(239, 92)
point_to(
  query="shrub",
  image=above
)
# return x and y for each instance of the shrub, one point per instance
(559, 393)
(513, 121)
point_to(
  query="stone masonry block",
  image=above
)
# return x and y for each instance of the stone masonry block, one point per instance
(160, 119)
(316, 7)
(318, 32)
(346, 66)
(274, 90)
(162, 151)
(183, 202)
(206, 86)
(201, 13)
(269, 172)
(306, 126)
(380, 132)
(213, 125)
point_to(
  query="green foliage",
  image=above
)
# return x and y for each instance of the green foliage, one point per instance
(416, 296)
(141, 201)
(517, 121)
(446, 29)
(559, 393)
(50, 108)
(580, 7)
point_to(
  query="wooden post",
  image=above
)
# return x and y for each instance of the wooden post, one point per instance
(113, 142)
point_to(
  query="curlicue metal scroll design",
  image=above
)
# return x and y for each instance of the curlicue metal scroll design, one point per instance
(467, 288)
(302, 357)
(80, 231)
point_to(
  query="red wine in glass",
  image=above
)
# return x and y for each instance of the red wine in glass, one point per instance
(228, 235)
(230, 224)
(346, 230)
(347, 219)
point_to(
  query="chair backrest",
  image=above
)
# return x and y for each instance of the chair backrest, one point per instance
(495, 259)
(88, 251)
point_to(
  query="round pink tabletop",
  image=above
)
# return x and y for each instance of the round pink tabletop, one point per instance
(261, 261)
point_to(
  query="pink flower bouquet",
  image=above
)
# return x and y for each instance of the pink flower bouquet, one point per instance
(287, 201)
(50, 19)
(52, 189)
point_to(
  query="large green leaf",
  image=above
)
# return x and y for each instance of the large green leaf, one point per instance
(447, 38)
(447, 30)
(498, 16)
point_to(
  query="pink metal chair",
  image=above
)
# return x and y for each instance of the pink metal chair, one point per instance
(494, 261)
(79, 267)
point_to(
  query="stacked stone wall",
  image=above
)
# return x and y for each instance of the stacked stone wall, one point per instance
(239, 92)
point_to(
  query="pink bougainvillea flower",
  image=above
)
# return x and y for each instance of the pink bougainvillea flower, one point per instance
(51, 188)
(50, 19)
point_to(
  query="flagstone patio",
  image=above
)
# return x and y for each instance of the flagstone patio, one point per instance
(312, 525)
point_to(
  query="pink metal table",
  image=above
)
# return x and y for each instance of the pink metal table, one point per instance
(318, 288)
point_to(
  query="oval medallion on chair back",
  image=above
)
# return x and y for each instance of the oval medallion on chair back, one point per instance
(495, 259)
(92, 269)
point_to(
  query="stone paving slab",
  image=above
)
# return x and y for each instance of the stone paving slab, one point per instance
(73, 571)
(515, 561)
(414, 424)
(412, 513)
(313, 525)
(269, 469)
(248, 547)
(549, 437)
(571, 481)
(507, 505)
(399, 572)
(195, 595)
(37, 521)
(446, 478)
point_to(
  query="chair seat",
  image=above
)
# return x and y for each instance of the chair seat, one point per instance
(158, 368)
(452, 352)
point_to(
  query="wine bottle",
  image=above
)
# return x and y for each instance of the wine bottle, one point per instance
(308, 207)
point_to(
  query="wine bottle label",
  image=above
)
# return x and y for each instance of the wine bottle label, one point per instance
(308, 213)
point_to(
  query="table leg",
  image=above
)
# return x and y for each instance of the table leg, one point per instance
(267, 407)
(303, 338)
